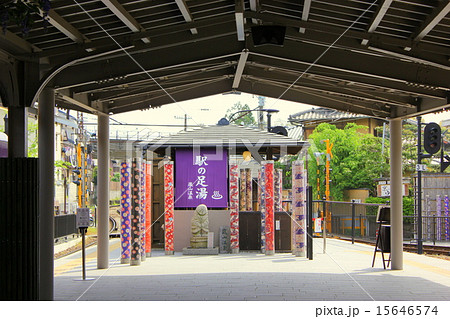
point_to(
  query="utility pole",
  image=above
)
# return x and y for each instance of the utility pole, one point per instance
(261, 103)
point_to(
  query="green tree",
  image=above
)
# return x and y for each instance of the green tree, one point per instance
(355, 163)
(241, 118)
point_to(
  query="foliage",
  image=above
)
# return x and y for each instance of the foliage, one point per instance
(32, 139)
(355, 163)
(63, 164)
(241, 118)
(408, 205)
(23, 13)
(115, 177)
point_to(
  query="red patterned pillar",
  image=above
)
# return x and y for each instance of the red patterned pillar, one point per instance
(148, 208)
(270, 214)
(168, 208)
(234, 207)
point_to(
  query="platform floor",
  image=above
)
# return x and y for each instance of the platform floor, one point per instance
(344, 273)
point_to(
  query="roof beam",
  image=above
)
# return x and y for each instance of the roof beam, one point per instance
(432, 20)
(186, 13)
(255, 7)
(65, 27)
(240, 69)
(239, 15)
(305, 13)
(379, 14)
(125, 17)
(15, 44)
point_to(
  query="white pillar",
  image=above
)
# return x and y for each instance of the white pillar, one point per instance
(46, 142)
(396, 195)
(103, 192)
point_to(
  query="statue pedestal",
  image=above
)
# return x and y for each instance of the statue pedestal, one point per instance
(200, 251)
(199, 242)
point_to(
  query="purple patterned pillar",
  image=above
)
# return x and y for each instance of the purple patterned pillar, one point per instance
(299, 207)
(125, 211)
(438, 218)
(447, 221)
(278, 189)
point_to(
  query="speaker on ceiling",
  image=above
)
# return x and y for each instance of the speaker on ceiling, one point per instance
(268, 34)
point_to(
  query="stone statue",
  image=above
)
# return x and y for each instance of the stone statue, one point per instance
(200, 227)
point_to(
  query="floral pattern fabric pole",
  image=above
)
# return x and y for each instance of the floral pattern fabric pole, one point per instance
(299, 207)
(438, 218)
(142, 210)
(262, 206)
(125, 211)
(447, 221)
(234, 207)
(278, 188)
(135, 213)
(168, 208)
(148, 208)
(270, 214)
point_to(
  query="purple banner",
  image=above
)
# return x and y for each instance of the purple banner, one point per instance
(201, 178)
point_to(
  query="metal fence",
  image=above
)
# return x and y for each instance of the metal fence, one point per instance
(358, 221)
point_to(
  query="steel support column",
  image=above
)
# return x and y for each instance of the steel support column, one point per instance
(17, 132)
(103, 192)
(396, 195)
(46, 142)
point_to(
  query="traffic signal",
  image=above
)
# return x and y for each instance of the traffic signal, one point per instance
(432, 138)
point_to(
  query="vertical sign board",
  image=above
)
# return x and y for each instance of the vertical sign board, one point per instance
(201, 178)
(234, 208)
(299, 207)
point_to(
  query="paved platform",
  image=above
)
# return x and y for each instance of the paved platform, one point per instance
(344, 273)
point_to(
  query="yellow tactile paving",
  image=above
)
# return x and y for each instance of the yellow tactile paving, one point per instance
(77, 262)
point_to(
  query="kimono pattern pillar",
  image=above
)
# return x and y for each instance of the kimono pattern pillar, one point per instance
(447, 221)
(168, 208)
(299, 207)
(262, 205)
(142, 210)
(277, 189)
(242, 190)
(270, 214)
(248, 190)
(234, 207)
(125, 212)
(438, 217)
(148, 208)
(136, 213)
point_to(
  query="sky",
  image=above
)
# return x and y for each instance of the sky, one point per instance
(208, 111)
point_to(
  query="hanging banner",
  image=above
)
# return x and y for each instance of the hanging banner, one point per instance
(201, 178)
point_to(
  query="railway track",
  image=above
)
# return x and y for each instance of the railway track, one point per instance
(428, 249)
